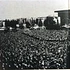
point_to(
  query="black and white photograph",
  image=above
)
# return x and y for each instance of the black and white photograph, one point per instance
(34, 34)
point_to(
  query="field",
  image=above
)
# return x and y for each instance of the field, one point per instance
(33, 49)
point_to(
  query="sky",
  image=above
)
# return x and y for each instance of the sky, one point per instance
(12, 9)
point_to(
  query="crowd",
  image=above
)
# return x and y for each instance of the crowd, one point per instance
(48, 34)
(21, 50)
(48, 22)
(21, 22)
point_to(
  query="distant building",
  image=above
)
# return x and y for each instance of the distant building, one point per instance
(64, 16)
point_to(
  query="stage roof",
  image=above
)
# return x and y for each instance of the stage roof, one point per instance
(63, 11)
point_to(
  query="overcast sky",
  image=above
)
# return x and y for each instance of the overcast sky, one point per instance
(10, 9)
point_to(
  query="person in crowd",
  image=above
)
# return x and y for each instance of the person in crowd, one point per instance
(27, 23)
(40, 23)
